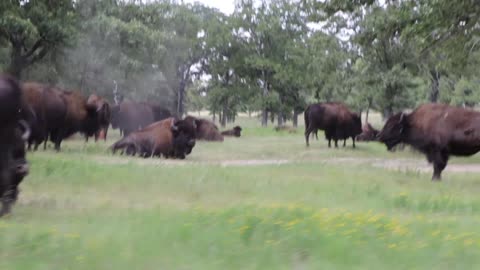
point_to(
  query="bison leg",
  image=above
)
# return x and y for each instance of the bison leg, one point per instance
(439, 160)
(105, 134)
(344, 142)
(6, 201)
(308, 130)
(353, 140)
(336, 142)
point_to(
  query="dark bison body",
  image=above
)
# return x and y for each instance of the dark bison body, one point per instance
(338, 122)
(49, 108)
(206, 130)
(168, 138)
(103, 113)
(59, 113)
(437, 130)
(234, 132)
(79, 117)
(131, 116)
(368, 133)
(13, 133)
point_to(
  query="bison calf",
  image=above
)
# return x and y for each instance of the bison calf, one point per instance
(235, 132)
(206, 130)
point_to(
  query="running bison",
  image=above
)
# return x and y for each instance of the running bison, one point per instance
(206, 130)
(103, 113)
(437, 130)
(368, 133)
(338, 122)
(234, 132)
(13, 133)
(131, 116)
(167, 138)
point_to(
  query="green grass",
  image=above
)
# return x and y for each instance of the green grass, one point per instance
(86, 209)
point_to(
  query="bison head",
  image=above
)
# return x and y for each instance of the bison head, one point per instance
(183, 137)
(393, 131)
(237, 131)
(357, 124)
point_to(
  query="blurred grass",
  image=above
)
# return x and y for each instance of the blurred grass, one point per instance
(86, 209)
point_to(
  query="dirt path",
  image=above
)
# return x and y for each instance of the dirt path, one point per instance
(399, 164)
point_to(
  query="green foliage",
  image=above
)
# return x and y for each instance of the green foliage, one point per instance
(270, 56)
(32, 29)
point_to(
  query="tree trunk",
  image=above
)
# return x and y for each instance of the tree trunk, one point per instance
(213, 118)
(181, 97)
(272, 117)
(265, 94)
(435, 87)
(223, 122)
(295, 118)
(264, 117)
(366, 116)
(280, 119)
(17, 63)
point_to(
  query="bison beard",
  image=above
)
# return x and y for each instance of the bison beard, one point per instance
(437, 130)
(12, 161)
(170, 138)
(335, 119)
(103, 116)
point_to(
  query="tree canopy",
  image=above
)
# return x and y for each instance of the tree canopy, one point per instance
(273, 57)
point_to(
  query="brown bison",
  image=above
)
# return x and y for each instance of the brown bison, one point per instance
(168, 138)
(338, 122)
(103, 112)
(59, 113)
(79, 117)
(368, 133)
(13, 133)
(437, 130)
(130, 116)
(206, 130)
(234, 132)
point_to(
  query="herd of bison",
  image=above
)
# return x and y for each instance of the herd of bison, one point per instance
(34, 113)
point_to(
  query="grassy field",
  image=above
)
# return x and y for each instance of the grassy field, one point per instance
(263, 201)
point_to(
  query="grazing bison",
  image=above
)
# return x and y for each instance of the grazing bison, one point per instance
(103, 113)
(13, 133)
(235, 132)
(368, 133)
(130, 116)
(168, 138)
(206, 130)
(437, 130)
(338, 122)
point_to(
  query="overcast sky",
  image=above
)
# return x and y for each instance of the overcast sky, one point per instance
(225, 6)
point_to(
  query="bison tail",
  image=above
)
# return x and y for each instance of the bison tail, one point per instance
(305, 117)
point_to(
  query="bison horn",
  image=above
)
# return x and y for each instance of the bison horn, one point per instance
(174, 127)
(402, 117)
(26, 133)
